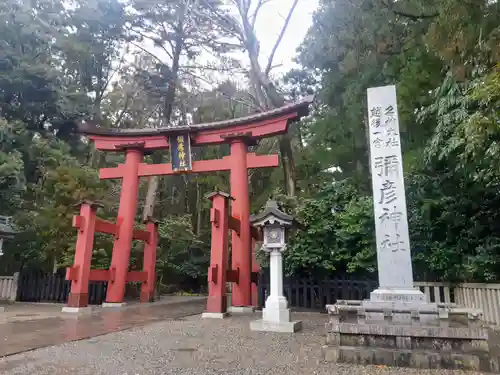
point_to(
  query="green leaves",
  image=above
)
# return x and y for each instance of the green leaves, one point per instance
(335, 234)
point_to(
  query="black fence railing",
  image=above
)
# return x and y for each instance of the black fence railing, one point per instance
(35, 286)
(313, 295)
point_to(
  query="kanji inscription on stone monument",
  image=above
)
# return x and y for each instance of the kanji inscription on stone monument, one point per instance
(391, 223)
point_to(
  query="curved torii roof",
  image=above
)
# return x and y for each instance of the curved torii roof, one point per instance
(256, 126)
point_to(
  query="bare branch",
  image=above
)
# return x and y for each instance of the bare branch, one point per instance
(154, 40)
(244, 102)
(412, 16)
(280, 37)
(111, 74)
(260, 4)
(213, 68)
(147, 52)
(415, 17)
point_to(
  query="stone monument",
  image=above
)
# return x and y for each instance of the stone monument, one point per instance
(276, 314)
(397, 325)
(389, 202)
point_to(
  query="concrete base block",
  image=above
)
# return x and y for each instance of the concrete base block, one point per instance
(2, 309)
(281, 327)
(111, 305)
(401, 296)
(77, 310)
(405, 336)
(209, 315)
(240, 309)
(405, 358)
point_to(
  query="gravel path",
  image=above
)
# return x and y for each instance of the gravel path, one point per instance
(196, 347)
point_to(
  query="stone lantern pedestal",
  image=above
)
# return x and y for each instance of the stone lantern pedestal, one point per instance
(276, 314)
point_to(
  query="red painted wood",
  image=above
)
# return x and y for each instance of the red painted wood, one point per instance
(80, 272)
(262, 161)
(108, 143)
(259, 129)
(215, 217)
(213, 273)
(142, 235)
(149, 263)
(217, 300)
(137, 276)
(126, 214)
(233, 276)
(78, 222)
(107, 227)
(234, 224)
(72, 273)
(240, 209)
(104, 275)
(99, 275)
(200, 166)
(103, 226)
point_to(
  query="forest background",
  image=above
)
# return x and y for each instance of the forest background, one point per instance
(139, 63)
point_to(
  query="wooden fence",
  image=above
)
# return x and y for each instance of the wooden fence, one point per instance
(485, 297)
(301, 293)
(47, 287)
(314, 295)
(8, 287)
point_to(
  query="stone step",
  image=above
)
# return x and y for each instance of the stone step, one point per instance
(423, 359)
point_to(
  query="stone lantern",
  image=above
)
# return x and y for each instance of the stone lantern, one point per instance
(276, 314)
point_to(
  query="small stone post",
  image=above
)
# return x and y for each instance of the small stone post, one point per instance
(276, 314)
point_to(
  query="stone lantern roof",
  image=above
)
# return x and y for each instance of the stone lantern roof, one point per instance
(271, 214)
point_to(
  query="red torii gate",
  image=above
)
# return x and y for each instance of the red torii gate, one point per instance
(239, 133)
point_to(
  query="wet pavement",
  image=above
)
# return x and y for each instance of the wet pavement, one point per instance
(196, 346)
(25, 327)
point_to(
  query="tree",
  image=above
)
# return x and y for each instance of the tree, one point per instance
(180, 30)
(31, 89)
(264, 90)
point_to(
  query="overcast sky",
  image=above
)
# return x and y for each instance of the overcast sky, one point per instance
(269, 25)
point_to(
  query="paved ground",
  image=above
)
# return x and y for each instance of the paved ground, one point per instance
(196, 347)
(29, 326)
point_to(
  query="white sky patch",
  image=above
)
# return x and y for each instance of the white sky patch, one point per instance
(269, 24)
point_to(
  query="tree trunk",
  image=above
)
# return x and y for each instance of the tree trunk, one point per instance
(153, 183)
(288, 164)
(198, 209)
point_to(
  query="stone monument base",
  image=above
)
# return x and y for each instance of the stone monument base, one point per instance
(281, 327)
(407, 337)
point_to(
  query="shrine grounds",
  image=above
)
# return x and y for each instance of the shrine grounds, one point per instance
(190, 345)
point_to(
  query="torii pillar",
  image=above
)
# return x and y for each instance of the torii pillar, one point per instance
(242, 241)
(125, 222)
